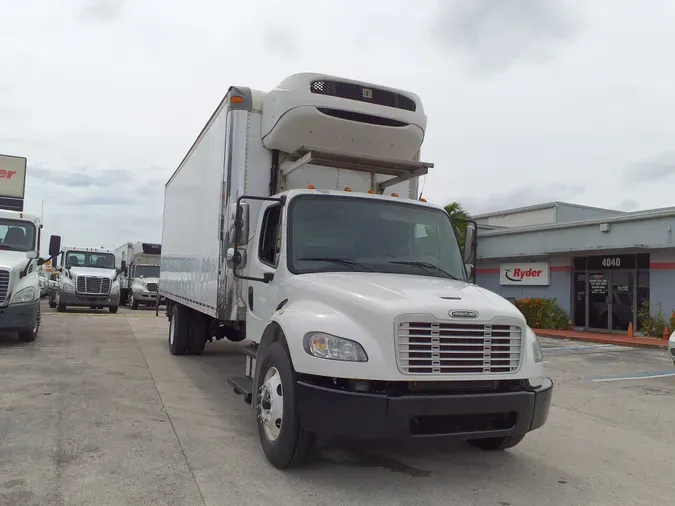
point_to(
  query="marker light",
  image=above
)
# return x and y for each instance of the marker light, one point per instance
(372, 192)
(347, 189)
(236, 100)
(311, 187)
(422, 200)
(394, 194)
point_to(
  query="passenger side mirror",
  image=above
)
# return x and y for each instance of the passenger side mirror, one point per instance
(54, 246)
(241, 224)
(32, 254)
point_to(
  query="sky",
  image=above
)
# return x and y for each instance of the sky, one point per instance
(528, 101)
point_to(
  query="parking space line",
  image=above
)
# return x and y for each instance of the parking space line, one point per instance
(638, 376)
(589, 347)
(100, 314)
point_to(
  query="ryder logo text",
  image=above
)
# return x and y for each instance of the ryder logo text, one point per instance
(518, 274)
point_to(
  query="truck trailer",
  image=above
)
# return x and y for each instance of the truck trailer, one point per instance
(138, 286)
(295, 223)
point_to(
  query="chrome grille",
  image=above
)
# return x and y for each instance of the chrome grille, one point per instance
(4, 284)
(93, 285)
(458, 348)
(152, 287)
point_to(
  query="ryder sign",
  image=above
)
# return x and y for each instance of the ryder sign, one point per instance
(530, 273)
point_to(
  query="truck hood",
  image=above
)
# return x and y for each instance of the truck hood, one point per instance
(13, 259)
(398, 294)
(146, 280)
(93, 271)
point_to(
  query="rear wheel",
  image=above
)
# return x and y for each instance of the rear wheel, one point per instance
(199, 333)
(179, 330)
(497, 443)
(52, 302)
(31, 335)
(285, 443)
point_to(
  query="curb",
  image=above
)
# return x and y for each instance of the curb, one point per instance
(642, 343)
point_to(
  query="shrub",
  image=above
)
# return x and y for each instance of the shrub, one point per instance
(652, 322)
(543, 313)
(672, 321)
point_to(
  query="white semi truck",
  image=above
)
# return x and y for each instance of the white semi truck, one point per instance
(19, 278)
(88, 277)
(294, 221)
(139, 284)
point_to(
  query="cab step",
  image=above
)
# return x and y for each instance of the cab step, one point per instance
(242, 386)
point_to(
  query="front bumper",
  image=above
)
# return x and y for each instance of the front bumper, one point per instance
(671, 347)
(147, 298)
(78, 299)
(461, 415)
(19, 317)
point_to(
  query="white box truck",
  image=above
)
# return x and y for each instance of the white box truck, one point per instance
(138, 286)
(294, 222)
(88, 277)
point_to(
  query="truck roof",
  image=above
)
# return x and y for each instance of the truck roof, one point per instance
(19, 215)
(349, 193)
(83, 248)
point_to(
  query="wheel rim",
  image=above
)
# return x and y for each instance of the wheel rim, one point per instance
(271, 405)
(131, 300)
(171, 330)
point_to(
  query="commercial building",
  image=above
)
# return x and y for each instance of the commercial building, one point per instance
(600, 264)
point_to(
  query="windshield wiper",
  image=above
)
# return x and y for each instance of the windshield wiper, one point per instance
(426, 266)
(344, 261)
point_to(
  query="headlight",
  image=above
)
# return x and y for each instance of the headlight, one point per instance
(536, 351)
(25, 295)
(320, 345)
(68, 285)
(139, 287)
(115, 288)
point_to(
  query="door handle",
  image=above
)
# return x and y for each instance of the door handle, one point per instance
(250, 298)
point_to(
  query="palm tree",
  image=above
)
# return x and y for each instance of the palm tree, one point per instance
(457, 214)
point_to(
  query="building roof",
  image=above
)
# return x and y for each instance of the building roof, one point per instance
(545, 205)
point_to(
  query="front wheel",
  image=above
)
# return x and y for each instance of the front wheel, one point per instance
(113, 309)
(133, 302)
(497, 443)
(285, 443)
(31, 335)
(52, 302)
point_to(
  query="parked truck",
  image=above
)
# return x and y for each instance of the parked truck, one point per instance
(139, 285)
(295, 222)
(87, 277)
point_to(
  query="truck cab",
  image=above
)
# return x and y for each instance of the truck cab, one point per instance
(140, 283)
(88, 277)
(19, 279)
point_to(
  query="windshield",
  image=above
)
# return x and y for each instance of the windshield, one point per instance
(90, 259)
(147, 271)
(17, 235)
(360, 234)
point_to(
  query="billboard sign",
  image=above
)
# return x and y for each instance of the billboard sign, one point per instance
(12, 182)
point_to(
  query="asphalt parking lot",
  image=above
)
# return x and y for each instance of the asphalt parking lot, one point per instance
(96, 411)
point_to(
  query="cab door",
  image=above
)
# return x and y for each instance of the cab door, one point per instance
(262, 298)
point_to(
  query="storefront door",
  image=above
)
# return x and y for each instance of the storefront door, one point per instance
(598, 300)
(622, 309)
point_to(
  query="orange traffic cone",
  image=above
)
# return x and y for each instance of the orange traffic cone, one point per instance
(630, 330)
(666, 332)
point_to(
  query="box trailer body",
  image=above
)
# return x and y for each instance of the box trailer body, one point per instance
(139, 281)
(295, 222)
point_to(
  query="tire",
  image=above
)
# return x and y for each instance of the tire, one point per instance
(52, 302)
(92, 307)
(179, 330)
(133, 302)
(61, 308)
(31, 335)
(113, 309)
(497, 443)
(285, 443)
(199, 334)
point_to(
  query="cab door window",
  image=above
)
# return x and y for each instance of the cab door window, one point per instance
(270, 238)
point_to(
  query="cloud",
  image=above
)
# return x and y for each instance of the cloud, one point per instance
(103, 10)
(79, 178)
(628, 205)
(282, 42)
(493, 34)
(524, 196)
(651, 170)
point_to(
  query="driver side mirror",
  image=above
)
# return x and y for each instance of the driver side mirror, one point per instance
(470, 244)
(32, 254)
(241, 224)
(236, 258)
(54, 245)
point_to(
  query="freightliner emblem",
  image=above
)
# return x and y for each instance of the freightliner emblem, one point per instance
(463, 314)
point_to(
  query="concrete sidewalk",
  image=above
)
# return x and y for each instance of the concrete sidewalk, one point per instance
(598, 337)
